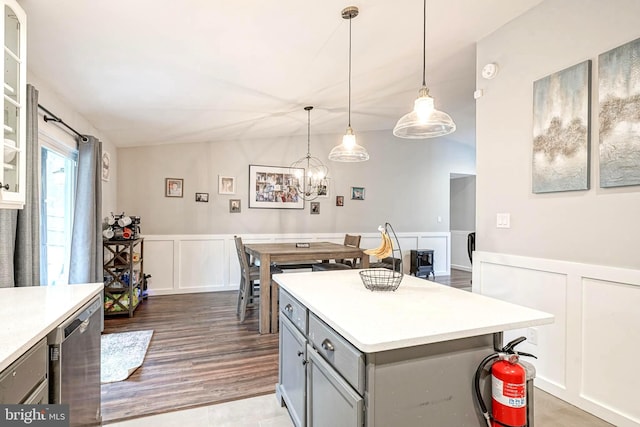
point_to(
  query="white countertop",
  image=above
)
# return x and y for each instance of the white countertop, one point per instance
(418, 312)
(28, 314)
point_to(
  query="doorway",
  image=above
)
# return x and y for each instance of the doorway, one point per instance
(462, 217)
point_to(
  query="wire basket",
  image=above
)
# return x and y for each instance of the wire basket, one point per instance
(385, 279)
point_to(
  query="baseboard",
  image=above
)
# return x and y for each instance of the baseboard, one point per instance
(461, 268)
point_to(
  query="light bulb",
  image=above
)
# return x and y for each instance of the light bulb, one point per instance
(349, 139)
(423, 106)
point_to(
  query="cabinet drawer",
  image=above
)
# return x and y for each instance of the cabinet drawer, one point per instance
(293, 310)
(343, 356)
(24, 375)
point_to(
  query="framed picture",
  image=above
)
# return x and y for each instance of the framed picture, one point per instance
(315, 208)
(234, 205)
(226, 184)
(323, 190)
(173, 187)
(202, 197)
(106, 164)
(619, 103)
(561, 128)
(339, 200)
(357, 193)
(275, 187)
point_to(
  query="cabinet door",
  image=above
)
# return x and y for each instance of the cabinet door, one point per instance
(292, 370)
(12, 155)
(330, 399)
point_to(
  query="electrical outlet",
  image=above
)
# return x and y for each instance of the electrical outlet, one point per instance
(532, 336)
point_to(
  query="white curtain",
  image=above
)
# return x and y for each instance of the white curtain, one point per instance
(86, 240)
(20, 228)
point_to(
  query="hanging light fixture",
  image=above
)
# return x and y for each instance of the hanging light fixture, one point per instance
(424, 121)
(310, 171)
(349, 150)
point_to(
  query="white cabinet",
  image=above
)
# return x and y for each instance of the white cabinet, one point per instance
(12, 156)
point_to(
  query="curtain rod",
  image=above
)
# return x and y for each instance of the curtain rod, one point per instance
(57, 119)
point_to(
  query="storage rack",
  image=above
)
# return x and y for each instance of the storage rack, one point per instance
(123, 275)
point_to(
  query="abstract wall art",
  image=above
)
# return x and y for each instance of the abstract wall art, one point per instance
(619, 115)
(561, 128)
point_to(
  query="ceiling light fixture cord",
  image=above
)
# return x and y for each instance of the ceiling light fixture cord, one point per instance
(350, 71)
(424, 46)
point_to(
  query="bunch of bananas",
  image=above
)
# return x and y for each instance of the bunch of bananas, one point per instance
(384, 250)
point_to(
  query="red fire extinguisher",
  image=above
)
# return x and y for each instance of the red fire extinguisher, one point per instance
(508, 387)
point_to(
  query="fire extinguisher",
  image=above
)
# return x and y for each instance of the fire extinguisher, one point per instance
(509, 398)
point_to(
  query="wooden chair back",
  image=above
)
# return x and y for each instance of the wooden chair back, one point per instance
(353, 241)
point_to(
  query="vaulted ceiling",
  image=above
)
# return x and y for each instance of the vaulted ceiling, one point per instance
(156, 71)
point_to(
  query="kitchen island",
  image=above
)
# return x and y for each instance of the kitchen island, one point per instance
(353, 357)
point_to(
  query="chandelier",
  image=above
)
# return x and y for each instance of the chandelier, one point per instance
(310, 171)
(424, 121)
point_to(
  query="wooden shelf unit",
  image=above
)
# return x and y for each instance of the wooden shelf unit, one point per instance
(123, 275)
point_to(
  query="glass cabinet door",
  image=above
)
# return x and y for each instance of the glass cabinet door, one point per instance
(12, 177)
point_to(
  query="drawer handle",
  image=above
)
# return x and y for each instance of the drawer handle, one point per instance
(289, 308)
(326, 344)
(300, 353)
(6, 186)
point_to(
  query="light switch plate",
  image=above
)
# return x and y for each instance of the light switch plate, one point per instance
(503, 220)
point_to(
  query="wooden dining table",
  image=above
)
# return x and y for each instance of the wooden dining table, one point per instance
(269, 253)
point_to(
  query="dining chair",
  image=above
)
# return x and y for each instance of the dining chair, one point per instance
(249, 291)
(350, 240)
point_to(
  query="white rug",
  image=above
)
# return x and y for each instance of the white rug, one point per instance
(122, 353)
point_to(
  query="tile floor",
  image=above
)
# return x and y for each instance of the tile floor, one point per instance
(264, 411)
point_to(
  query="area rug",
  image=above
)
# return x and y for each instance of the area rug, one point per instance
(122, 354)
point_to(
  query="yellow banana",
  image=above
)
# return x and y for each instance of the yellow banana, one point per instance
(384, 250)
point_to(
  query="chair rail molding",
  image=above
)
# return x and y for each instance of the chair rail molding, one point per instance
(207, 262)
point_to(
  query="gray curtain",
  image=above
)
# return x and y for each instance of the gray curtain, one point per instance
(86, 241)
(20, 228)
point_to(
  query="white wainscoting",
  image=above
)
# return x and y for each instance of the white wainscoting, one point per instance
(204, 263)
(459, 254)
(588, 357)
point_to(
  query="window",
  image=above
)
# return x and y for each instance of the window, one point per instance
(58, 176)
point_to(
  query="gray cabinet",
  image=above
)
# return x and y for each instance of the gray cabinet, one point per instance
(25, 380)
(292, 381)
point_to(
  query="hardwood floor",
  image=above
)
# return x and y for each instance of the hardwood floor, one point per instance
(199, 354)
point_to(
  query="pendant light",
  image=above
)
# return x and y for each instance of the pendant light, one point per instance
(424, 121)
(349, 150)
(313, 181)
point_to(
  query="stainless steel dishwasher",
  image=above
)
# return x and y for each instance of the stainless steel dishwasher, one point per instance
(74, 365)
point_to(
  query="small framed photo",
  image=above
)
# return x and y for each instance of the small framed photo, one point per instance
(315, 208)
(202, 197)
(173, 187)
(357, 193)
(234, 206)
(226, 184)
(106, 166)
(339, 200)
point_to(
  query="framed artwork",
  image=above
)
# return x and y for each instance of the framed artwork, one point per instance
(106, 164)
(357, 193)
(202, 197)
(339, 200)
(315, 208)
(275, 187)
(173, 187)
(619, 101)
(226, 184)
(323, 190)
(234, 206)
(561, 129)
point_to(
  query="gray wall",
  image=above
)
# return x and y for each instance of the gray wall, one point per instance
(407, 184)
(598, 226)
(463, 203)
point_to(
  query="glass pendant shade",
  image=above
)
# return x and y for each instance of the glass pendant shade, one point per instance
(424, 121)
(349, 150)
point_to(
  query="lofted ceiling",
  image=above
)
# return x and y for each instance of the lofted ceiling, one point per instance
(148, 72)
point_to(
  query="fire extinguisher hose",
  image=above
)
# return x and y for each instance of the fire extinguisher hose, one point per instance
(476, 386)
